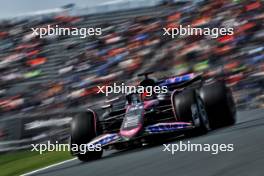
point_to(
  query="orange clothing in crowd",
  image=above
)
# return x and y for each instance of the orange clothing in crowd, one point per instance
(38, 61)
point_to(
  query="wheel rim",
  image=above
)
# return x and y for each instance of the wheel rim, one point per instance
(203, 114)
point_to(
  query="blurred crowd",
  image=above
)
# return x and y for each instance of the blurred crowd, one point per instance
(59, 72)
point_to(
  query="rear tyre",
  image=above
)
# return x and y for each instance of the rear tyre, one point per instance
(83, 130)
(219, 104)
(190, 108)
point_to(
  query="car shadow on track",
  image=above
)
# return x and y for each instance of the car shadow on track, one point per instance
(115, 153)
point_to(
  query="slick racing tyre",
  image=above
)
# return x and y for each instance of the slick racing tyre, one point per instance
(189, 107)
(219, 104)
(83, 130)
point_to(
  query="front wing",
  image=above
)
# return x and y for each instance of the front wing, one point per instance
(159, 128)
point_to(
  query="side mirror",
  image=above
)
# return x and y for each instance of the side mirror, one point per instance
(112, 100)
(108, 106)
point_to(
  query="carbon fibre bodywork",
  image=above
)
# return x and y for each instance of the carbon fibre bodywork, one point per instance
(143, 118)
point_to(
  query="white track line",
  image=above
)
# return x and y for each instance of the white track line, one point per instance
(47, 167)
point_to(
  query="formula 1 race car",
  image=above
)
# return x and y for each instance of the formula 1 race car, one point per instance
(191, 106)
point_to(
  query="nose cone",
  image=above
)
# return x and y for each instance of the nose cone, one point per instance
(133, 121)
(131, 132)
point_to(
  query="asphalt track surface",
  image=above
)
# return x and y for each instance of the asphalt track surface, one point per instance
(247, 159)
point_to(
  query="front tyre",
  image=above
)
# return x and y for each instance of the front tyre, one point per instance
(83, 130)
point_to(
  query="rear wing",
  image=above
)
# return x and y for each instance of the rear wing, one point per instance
(181, 81)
